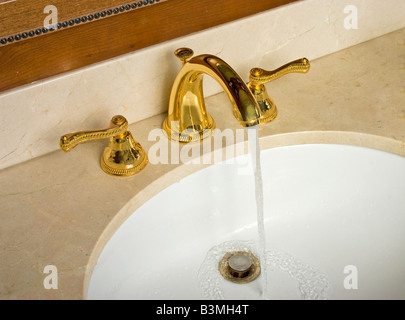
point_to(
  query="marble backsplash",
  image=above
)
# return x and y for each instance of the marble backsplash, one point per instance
(137, 85)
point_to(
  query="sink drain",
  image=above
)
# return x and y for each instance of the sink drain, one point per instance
(239, 267)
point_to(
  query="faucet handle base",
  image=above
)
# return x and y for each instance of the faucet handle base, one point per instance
(268, 109)
(124, 156)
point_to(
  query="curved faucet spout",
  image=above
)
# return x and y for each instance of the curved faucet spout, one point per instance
(187, 118)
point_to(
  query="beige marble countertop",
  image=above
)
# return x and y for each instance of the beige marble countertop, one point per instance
(60, 209)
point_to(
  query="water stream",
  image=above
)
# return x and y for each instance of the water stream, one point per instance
(254, 150)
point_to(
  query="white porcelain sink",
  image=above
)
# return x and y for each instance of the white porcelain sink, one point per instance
(329, 209)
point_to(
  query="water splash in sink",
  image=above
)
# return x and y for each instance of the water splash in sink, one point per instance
(309, 284)
(291, 278)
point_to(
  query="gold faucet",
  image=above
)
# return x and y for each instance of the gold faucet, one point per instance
(188, 119)
(123, 156)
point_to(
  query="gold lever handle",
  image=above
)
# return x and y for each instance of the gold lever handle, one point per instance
(260, 76)
(119, 125)
(123, 156)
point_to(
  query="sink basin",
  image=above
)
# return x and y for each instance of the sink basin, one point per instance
(334, 218)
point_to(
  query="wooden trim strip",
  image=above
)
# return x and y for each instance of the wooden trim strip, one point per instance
(37, 58)
(26, 19)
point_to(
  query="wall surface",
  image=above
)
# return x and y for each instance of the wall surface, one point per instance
(137, 85)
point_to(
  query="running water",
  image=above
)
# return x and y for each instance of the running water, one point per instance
(254, 150)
